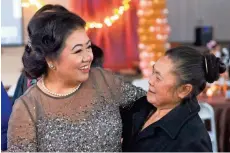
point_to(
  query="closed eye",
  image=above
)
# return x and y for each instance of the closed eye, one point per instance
(78, 51)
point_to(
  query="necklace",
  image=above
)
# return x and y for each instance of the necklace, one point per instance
(56, 94)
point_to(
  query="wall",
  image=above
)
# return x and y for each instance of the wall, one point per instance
(11, 64)
(185, 15)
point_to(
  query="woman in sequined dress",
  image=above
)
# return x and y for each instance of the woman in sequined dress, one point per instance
(73, 107)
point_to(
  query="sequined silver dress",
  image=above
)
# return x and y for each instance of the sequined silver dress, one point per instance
(88, 120)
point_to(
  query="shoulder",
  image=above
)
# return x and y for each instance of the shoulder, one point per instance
(31, 92)
(105, 76)
(137, 106)
(141, 103)
(195, 134)
(29, 97)
(195, 127)
(102, 72)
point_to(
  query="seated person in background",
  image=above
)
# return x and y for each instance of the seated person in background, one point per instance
(6, 108)
(98, 56)
(214, 48)
(167, 119)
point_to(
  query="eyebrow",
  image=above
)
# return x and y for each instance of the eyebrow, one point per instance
(88, 42)
(157, 72)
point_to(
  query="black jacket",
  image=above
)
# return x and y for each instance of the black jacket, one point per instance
(180, 130)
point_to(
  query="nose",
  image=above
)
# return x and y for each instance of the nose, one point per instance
(152, 80)
(87, 58)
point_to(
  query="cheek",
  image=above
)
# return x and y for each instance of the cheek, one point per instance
(164, 91)
(71, 62)
(91, 56)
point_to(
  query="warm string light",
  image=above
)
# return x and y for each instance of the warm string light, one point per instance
(35, 3)
(153, 33)
(108, 21)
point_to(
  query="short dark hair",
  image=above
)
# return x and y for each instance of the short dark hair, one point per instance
(194, 67)
(47, 34)
(51, 8)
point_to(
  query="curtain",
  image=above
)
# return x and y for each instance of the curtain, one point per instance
(119, 42)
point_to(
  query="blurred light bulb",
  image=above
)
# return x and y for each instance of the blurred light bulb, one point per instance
(141, 46)
(152, 63)
(159, 36)
(165, 11)
(126, 7)
(91, 25)
(107, 21)
(143, 3)
(140, 12)
(114, 18)
(158, 20)
(209, 92)
(99, 25)
(152, 29)
(167, 46)
(24, 4)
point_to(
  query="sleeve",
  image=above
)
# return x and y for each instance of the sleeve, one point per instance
(128, 92)
(22, 129)
(124, 92)
(197, 146)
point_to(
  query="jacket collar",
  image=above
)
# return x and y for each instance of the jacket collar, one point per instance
(140, 117)
(170, 123)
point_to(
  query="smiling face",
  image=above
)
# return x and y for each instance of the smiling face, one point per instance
(74, 62)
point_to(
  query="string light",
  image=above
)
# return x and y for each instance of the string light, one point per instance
(30, 3)
(108, 21)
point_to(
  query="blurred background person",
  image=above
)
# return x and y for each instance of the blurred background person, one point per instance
(214, 48)
(6, 108)
(98, 56)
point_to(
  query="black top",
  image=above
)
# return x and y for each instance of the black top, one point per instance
(180, 130)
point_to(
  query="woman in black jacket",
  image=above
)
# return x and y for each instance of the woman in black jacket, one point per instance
(167, 119)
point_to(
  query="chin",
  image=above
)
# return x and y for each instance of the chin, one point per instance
(151, 98)
(83, 78)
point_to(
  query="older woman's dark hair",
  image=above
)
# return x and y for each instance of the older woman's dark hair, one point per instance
(47, 34)
(194, 67)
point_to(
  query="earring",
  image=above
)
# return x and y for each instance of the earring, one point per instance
(51, 66)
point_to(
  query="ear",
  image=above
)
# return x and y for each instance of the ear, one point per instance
(50, 61)
(184, 90)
